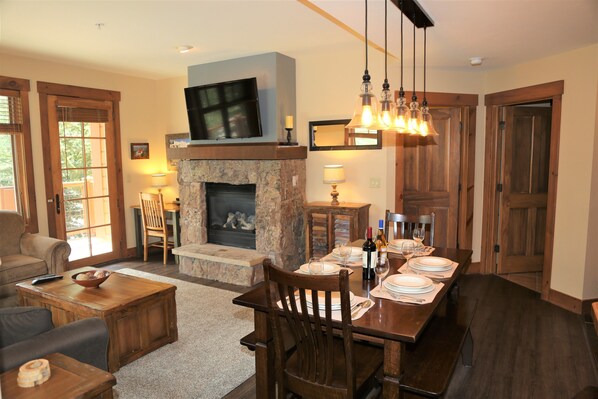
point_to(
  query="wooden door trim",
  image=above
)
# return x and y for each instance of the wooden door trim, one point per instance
(44, 89)
(549, 91)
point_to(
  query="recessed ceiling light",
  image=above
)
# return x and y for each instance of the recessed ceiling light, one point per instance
(184, 49)
(476, 61)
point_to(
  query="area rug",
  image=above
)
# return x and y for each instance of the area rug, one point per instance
(206, 362)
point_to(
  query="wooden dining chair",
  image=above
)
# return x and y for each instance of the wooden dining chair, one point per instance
(323, 364)
(403, 225)
(154, 223)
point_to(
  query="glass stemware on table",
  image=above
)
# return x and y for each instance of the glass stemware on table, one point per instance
(344, 252)
(408, 249)
(419, 233)
(315, 266)
(382, 268)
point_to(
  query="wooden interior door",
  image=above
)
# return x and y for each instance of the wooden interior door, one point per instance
(523, 199)
(430, 171)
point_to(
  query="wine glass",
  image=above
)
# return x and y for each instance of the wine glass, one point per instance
(344, 251)
(419, 233)
(407, 250)
(315, 266)
(382, 268)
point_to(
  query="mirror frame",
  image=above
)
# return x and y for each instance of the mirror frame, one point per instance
(314, 147)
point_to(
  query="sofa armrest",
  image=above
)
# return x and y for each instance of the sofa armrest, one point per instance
(53, 251)
(21, 323)
(84, 340)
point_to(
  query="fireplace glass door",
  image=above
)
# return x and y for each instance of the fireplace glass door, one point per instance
(231, 214)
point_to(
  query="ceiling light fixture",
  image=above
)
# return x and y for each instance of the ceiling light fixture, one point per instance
(402, 111)
(414, 113)
(426, 127)
(365, 115)
(184, 49)
(387, 105)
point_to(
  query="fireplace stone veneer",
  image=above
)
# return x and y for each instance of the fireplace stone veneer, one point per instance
(279, 199)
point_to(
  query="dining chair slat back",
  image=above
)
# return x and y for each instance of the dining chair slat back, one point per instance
(403, 225)
(322, 364)
(154, 223)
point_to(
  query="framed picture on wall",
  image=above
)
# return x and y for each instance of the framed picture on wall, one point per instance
(176, 140)
(139, 150)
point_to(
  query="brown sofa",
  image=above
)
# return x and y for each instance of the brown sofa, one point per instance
(24, 256)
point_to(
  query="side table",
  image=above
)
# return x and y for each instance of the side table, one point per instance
(70, 379)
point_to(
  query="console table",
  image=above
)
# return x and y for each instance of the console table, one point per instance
(328, 224)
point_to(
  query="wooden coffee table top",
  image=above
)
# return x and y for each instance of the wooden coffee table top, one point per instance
(69, 379)
(117, 291)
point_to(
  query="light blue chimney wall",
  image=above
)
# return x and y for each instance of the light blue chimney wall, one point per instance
(275, 75)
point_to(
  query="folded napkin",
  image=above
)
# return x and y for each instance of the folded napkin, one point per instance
(333, 259)
(428, 297)
(336, 314)
(425, 251)
(434, 275)
(346, 268)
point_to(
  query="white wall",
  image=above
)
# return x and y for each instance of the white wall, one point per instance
(579, 70)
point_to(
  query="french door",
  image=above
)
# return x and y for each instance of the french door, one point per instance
(83, 191)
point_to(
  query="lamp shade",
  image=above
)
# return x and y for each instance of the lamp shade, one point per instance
(334, 174)
(159, 180)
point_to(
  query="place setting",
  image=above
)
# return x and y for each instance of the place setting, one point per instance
(433, 267)
(405, 287)
(317, 266)
(396, 245)
(359, 305)
(345, 255)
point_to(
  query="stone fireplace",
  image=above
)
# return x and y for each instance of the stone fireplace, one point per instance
(279, 224)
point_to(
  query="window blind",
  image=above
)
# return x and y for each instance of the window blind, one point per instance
(11, 114)
(78, 114)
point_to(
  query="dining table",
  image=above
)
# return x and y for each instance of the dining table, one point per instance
(392, 323)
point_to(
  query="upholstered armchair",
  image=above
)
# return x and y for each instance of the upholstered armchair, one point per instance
(24, 256)
(27, 333)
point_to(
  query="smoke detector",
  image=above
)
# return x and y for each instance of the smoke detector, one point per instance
(476, 61)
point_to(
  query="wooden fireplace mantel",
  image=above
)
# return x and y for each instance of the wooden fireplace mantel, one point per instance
(238, 151)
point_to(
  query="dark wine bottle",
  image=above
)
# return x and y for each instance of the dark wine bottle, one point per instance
(370, 255)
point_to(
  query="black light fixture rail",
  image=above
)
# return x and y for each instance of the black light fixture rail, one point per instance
(416, 14)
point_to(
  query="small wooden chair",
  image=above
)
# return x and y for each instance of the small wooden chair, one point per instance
(322, 365)
(153, 218)
(407, 223)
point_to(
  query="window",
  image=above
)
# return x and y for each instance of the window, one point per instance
(17, 190)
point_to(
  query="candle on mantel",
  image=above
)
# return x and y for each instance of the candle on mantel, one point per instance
(288, 122)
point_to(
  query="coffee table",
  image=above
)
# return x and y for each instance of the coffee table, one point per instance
(69, 379)
(140, 313)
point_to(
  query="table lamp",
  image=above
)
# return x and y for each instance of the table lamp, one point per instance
(334, 174)
(159, 181)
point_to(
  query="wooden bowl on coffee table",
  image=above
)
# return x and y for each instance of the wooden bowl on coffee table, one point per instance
(92, 282)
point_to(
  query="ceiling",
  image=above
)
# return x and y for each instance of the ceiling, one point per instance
(139, 37)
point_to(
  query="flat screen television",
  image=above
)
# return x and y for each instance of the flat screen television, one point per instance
(225, 110)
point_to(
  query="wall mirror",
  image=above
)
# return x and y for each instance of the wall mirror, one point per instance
(332, 135)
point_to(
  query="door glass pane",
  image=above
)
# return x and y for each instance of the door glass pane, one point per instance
(99, 211)
(73, 184)
(80, 244)
(97, 182)
(8, 198)
(71, 150)
(101, 240)
(71, 129)
(75, 213)
(95, 153)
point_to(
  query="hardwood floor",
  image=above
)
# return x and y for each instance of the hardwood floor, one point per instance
(523, 347)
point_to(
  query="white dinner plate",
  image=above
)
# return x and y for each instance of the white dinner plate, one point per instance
(356, 253)
(327, 268)
(418, 267)
(408, 283)
(336, 299)
(432, 263)
(406, 290)
(398, 243)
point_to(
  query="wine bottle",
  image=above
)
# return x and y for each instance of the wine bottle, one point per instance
(370, 256)
(381, 242)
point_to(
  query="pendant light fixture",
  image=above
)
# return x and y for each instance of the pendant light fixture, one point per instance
(402, 111)
(426, 127)
(414, 113)
(365, 115)
(387, 105)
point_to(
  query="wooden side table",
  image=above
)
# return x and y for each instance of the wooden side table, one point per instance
(328, 224)
(69, 379)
